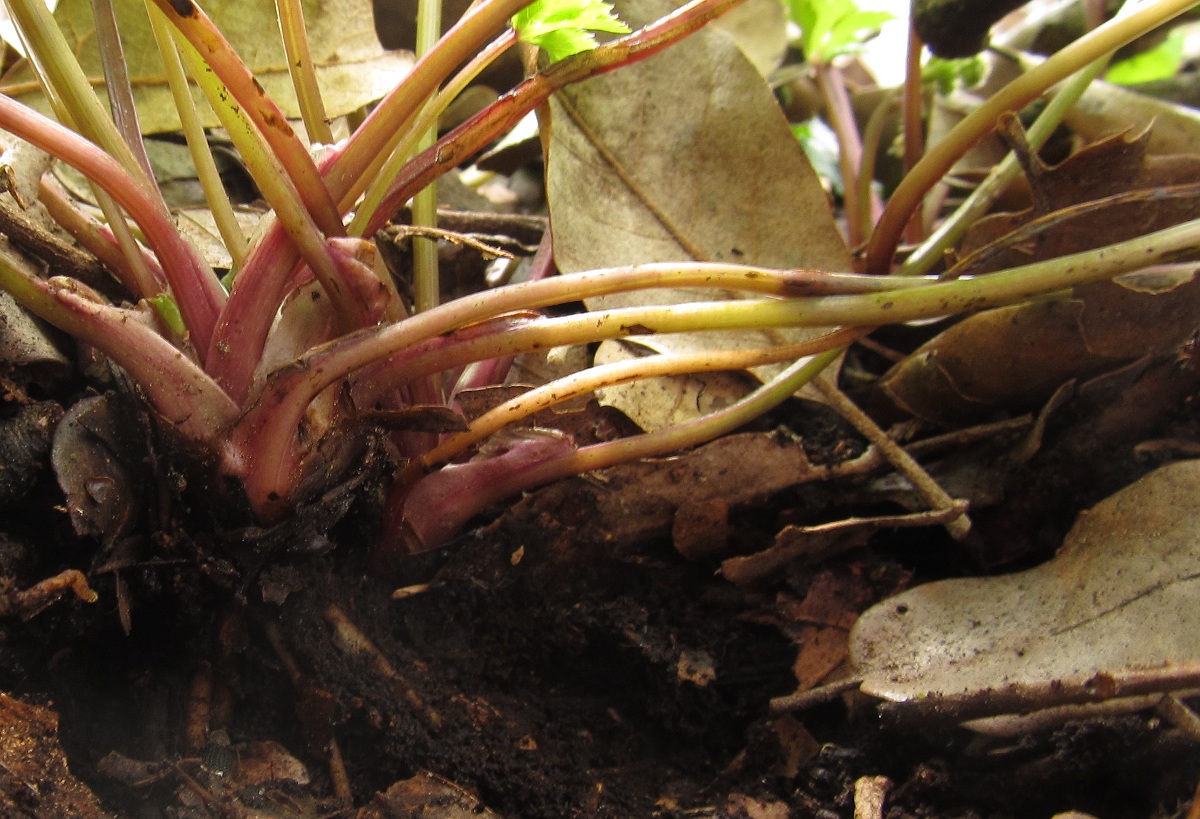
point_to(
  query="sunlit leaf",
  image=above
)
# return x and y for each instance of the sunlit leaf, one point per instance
(1159, 63)
(564, 27)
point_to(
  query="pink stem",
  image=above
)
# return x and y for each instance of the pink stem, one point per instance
(193, 285)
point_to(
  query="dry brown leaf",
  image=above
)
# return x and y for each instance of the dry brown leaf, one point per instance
(684, 156)
(1015, 357)
(628, 503)
(1120, 596)
(352, 68)
(426, 795)
(1106, 108)
(37, 781)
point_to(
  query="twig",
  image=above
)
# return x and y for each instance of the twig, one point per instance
(1021, 698)
(938, 499)
(813, 696)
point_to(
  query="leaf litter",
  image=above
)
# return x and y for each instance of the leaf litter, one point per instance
(822, 573)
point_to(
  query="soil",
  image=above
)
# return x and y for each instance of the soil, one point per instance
(539, 667)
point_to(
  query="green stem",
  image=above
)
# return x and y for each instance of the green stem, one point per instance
(841, 118)
(277, 188)
(369, 206)
(256, 106)
(948, 234)
(303, 72)
(116, 80)
(426, 281)
(1014, 96)
(348, 176)
(202, 158)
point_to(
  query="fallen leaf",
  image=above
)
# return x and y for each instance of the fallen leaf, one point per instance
(90, 461)
(1106, 108)
(353, 69)
(1119, 596)
(426, 795)
(685, 156)
(1015, 357)
(37, 781)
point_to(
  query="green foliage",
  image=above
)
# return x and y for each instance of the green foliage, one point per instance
(564, 27)
(1159, 63)
(168, 312)
(950, 74)
(833, 27)
(821, 147)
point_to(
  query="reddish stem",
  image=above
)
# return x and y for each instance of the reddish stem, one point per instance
(193, 285)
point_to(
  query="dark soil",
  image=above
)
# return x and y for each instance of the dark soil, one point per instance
(537, 665)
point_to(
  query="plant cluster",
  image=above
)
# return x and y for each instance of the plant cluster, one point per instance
(273, 383)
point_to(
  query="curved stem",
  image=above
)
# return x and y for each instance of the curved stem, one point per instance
(193, 285)
(260, 109)
(174, 386)
(266, 435)
(56, 62)
(193, 132)
(302, 70)
(507, 483)
(1014, 96)
(598, 377)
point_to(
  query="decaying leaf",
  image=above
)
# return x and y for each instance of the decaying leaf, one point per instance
(658, 162)
(1119, 597)
(352, 68)
(1015, 357)
(1105, 108)
(36, 780)
(427, 795)
(89, 460)
(635, 501)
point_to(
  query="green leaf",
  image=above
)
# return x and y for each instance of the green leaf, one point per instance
(1159, 63)
(168, 312)
(947, 75)
(564, 27)
(830, 28)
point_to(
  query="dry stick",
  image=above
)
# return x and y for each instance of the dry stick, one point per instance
(935, 710)
(905, 464)
(814, 696)
(1174, 710)
(348, 638)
